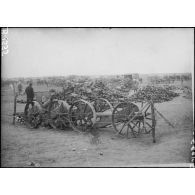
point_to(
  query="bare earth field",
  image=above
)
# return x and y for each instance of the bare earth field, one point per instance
(56, 148)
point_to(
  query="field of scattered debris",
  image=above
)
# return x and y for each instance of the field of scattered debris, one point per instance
(43, 147)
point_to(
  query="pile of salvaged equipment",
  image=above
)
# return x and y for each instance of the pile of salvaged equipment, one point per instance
(97, 106)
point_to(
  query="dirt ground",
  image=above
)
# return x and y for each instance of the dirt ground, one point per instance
(23, 147)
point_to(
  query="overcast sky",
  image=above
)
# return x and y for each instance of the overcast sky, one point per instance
(59, 52)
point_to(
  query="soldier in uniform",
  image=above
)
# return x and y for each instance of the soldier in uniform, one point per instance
(30, 96)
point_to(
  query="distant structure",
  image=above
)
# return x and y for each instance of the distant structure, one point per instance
(128, 76)
(131, 81)
(131, 76)
(135, 76)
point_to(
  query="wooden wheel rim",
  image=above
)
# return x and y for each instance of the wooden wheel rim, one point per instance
(125, 117)
(71, 116)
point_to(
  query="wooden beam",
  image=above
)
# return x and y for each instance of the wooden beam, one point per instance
(153, 121)
(15, 98)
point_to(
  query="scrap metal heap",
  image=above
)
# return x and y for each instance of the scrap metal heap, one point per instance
(157, 93)
(100, 89)
(114, 93)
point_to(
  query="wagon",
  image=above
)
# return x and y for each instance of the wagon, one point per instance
(125, 118)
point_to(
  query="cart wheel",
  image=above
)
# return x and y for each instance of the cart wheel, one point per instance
(121, 116)
(82, 116)
(61, 121)
(102, 105)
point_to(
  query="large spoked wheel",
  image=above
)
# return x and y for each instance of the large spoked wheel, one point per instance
(82, 116)
(61, 121)
(101, 105)
(121, 119)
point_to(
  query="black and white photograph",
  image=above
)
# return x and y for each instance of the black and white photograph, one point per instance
(97, 97)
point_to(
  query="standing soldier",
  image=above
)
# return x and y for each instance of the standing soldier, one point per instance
(30, 95)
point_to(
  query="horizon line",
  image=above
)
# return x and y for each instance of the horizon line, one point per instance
(89, 75)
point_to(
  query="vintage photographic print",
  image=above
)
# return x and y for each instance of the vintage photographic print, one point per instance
(97, 97)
